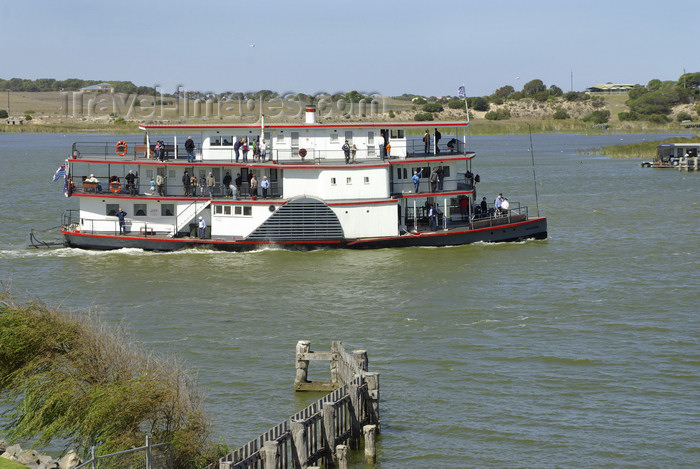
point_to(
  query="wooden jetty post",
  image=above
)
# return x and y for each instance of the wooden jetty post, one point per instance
(323, 432)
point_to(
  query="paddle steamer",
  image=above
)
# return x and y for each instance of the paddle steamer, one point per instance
(318, 196)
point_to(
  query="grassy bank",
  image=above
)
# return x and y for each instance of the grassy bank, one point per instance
(644, 150)
(70, 377)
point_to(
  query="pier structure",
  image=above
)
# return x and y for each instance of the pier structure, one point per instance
(322, 433)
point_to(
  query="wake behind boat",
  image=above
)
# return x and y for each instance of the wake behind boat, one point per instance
(294, 186)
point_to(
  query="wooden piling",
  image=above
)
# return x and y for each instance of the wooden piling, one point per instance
(341, 455)
(370, 432)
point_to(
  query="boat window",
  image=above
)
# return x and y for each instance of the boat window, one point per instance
(333, 183)
(366, 180)
(171, 173)
(404, 174)
(424, 174)
(348, 181)
(348, 136)
(247, 211)
(280, 138)
(227, 210)
(397, 133)
(139, 210)
(111, 209)
(398, 173)
(218, 209)
(370, 138)
(167, 210)
(216, 141)
(227, 141)
(237, 210)
(445, 171)
(334, 137)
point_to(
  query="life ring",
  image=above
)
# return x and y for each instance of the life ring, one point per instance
(115, 187)
(302, 152)
(123, 145)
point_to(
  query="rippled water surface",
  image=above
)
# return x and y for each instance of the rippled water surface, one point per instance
(582, 350)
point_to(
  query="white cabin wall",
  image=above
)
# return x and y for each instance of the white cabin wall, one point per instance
(312, 183)
(368, 221)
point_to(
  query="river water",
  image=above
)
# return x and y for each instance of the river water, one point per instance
(579, 350)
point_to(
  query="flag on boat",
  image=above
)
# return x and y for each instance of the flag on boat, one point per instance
(462, 92)
(60, 172)
(67, 186)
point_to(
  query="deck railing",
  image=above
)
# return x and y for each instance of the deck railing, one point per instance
(137, 151)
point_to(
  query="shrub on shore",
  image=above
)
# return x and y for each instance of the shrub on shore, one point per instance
(73, 378)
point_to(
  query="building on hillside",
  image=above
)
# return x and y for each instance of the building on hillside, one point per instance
(609, 88)
(99, 88)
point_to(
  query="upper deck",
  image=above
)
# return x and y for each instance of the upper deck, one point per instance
(288, 144)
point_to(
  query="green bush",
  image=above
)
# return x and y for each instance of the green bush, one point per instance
(598, 117)
(423, 116)
(119, 121)
(455, 103)
(561, 113)
(479, 104)
(658, 119)
(3, 114)
(419, 101)
(391, 114)
(27, 117)
(541, 96)
(627, 116)
(683, 116)
(499, 115)
(432, 107)
(70, 378)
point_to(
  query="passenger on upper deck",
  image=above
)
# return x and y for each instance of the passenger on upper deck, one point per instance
(245, 150)
(263, 150)
(451, 145)
(189, 146)
(416, 180)
(236, 148)
(211, 183)
(187, 183)
(498, 202)
(131, 182)
(426, 141)
(438, 136)
(227, 183)
(264, 185)
(346, 150)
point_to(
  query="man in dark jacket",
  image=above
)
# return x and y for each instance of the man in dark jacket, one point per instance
(189, 146)
(131, 182)
(187, 183)
(121, 214)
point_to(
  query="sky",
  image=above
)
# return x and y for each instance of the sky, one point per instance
(383, 46)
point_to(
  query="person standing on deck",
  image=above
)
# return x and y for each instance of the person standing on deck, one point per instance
(245, 150)
(441, 177)
(264, 185)
(227, 184)
(354, 152)
(432, 218)
(160, 183)
(416, 180)
(434, 179)
(194, 182)
(253, 185)
(438, 136)
(202, 227)
(211, 183)
(498, 202)
(236, 148)
(484, 207)
(346, 150)
(426, 141)
(263, 150)
(131, 182)
(121, 214)
(189, 146)
(187, 183)
(239, 183)
(381, 142)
